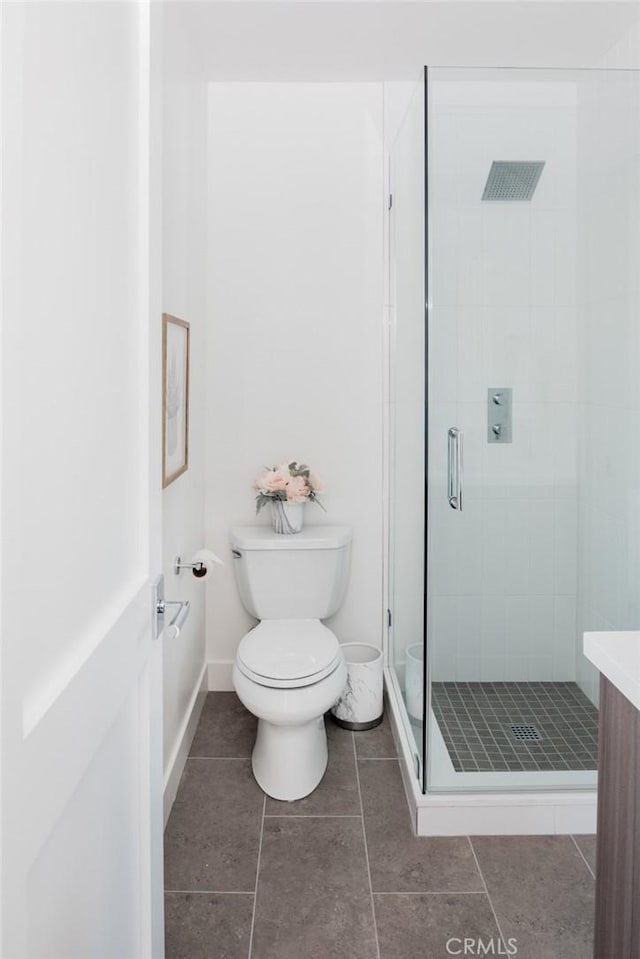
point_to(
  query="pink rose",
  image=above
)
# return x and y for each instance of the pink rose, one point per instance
(260, 482)
(316, 483)
(276, 482)
(297, 490)
(270, 481)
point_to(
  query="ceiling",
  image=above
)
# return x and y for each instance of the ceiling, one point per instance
(309, 40)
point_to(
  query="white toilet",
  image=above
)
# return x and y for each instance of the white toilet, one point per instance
(289, 670)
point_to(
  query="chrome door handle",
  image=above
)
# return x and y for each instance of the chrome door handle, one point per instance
(454, 478)
(161, 607)
(173, 628)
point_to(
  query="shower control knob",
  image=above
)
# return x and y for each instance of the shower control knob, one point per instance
(499, 406)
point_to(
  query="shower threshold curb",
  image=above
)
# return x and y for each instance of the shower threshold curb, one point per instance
(499, 813)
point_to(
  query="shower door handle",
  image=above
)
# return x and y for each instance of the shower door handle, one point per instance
(454, 491)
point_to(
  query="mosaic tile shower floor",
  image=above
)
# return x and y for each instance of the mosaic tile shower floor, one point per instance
(477, 719)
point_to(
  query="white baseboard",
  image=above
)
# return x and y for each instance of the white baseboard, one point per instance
(178, 758)
(220, 675)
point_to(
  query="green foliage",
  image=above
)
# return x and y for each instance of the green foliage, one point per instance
(263, 498)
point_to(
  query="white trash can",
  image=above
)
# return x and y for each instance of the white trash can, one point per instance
(414, 681)
(360, 706)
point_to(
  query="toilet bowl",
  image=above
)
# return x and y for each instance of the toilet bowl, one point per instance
(289, 669)
(290, 754)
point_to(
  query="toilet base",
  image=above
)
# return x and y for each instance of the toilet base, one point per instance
(289, 761)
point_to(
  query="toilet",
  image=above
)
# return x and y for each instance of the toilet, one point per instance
(289, 670)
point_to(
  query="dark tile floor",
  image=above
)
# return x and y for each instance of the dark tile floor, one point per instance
(557, 722)
(339, 875)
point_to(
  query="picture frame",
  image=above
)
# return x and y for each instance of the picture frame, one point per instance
(176, 335)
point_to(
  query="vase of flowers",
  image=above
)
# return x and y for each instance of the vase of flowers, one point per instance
(287, 488)
(286, 517)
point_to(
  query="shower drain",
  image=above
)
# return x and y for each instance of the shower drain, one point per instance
(524, 733)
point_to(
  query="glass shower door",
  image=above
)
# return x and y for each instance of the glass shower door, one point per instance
(533, 407)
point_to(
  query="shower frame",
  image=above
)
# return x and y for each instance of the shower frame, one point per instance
(516, 810)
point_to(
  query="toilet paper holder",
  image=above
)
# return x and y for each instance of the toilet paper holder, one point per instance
(201, 565)
(198, 569)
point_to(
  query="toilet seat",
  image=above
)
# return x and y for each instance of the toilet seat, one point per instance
(288, 653)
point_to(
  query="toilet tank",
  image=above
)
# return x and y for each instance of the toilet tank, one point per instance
(303, 576)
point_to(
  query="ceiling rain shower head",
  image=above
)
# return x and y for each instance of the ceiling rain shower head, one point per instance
(511, 180)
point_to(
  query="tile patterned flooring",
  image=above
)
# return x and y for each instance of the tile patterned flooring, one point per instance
(340, 874)
(474, 719)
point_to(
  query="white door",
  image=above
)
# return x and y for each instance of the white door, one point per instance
(81, 700)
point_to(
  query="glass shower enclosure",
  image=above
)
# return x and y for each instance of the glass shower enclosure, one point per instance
(514, 417)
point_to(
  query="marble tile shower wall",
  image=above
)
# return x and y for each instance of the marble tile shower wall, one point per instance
(503, 292)
(609, 385)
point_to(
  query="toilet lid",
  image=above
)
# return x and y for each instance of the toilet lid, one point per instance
(288, 652)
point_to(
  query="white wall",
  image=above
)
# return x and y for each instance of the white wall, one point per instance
(294, 338)
(184, 295)
(609, 287)
(624, 54)
(502, 287)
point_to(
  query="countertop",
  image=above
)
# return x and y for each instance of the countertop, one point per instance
(617, 656)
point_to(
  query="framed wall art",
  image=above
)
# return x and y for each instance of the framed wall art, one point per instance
(175, 398)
